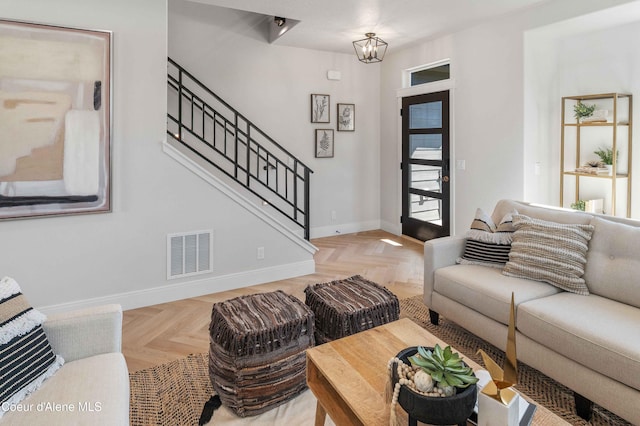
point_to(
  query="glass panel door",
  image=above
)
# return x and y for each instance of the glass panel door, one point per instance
(425, 165)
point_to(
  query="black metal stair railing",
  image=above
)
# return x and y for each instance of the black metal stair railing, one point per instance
(214, 131)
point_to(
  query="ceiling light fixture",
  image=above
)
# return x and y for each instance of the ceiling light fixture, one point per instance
(370, 49)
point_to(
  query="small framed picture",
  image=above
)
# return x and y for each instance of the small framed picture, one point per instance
(320, 108)
(324, 143)
(346, 117)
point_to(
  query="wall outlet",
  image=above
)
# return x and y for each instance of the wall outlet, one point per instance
(334, 215)
(260, 253)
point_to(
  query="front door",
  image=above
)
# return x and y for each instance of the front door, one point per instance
(425, 166)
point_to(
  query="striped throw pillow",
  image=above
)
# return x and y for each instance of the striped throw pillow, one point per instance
(482, 222)
(26, 358)
(488, 244)
(555, 253)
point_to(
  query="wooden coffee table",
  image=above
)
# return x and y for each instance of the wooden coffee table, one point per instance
(348, 376)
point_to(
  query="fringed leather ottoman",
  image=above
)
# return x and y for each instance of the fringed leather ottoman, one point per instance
(257, 357)
(349, 306)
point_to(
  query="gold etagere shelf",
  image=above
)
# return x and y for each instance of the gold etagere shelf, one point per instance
(613, 100)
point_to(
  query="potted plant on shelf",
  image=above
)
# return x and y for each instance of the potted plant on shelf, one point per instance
(583, 110)
(579, 205)
(606, 156)
(433, 385)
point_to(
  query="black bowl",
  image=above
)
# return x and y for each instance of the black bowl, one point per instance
(435, 410)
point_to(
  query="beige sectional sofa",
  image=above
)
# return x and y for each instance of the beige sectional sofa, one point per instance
(590, 343)
(92, 387)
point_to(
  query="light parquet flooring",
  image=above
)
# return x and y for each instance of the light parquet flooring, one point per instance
(157, 334)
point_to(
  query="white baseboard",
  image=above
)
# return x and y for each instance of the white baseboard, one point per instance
(393, 228)
(192, 288)
(344, 228)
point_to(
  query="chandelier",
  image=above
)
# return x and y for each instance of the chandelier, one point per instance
(370, 49)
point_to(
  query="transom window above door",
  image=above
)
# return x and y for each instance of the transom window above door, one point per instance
(427, 73)
(430, 74)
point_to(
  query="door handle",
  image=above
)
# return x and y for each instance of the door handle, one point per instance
(445, 179)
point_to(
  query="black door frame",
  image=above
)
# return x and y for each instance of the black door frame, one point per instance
(413, 227)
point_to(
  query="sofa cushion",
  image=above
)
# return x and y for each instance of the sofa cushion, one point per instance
(613, 262)
(551, 252)
(596, 332)
(486, 290)
(486, 243)
(89, 391)
(26, 357)
(553, 214)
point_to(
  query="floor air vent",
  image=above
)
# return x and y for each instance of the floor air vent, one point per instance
(189, 253)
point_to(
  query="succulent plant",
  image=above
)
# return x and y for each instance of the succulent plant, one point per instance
(445, 368)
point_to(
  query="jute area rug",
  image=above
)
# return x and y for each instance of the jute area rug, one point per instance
(174, 394)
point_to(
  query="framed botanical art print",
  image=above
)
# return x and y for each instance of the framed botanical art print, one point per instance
(324, 143)
(55, 120)
(320, 108)
(346, 117)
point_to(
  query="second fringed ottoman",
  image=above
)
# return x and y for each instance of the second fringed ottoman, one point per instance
(349, 306)
(257, 356)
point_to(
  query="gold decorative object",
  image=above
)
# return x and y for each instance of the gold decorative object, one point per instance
(499, 388)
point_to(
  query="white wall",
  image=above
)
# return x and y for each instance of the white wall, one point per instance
(426, 52)
(271, 85)
(120, 257)
(587, 55)
(488, 68)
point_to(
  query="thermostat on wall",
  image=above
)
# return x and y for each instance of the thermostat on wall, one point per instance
(334, 75)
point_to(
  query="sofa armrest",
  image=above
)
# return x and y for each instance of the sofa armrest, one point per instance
(438, 253)
(84, 333)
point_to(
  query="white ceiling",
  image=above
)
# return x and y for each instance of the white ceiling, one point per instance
(333, 24)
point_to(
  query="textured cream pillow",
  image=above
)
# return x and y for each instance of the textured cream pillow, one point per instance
(551, 252)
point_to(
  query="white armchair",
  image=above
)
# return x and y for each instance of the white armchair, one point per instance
(92, 387)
